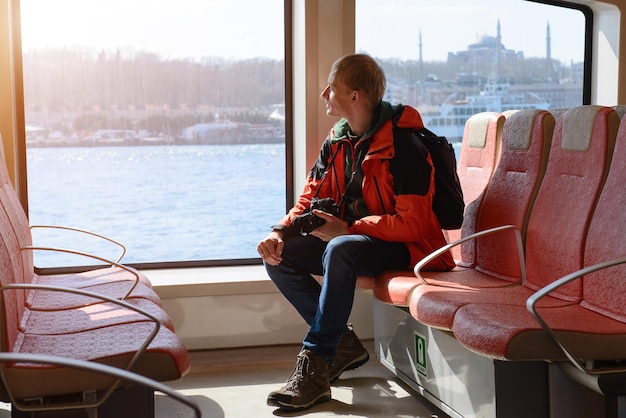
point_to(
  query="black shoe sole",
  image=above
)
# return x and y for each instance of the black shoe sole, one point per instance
(289, 407)
(351, 366)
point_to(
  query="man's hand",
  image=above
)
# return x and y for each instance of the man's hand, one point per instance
(333, 227)
(271, 248)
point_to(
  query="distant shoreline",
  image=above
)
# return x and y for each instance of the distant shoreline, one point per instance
(123, 142)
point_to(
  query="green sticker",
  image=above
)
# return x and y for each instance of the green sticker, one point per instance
(420, 354)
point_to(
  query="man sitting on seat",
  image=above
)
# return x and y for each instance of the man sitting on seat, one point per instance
(383, 189)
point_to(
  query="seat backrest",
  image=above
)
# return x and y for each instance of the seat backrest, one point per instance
(10, 201)
(582, 146)
(11, 261)
(605, 291)
(480, 151)
(13, 301)
(21, 228)
(513, 188)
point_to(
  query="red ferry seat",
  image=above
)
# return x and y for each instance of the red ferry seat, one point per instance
(578, 161)
(480, 153)
(507, 200)
(108, 315)
(591, 333)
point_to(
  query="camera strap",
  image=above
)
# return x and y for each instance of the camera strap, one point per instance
(330, 166)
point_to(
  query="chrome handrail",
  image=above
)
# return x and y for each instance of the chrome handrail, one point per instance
(84, 231)
(531, 305)
(95, 257)
(518, 238)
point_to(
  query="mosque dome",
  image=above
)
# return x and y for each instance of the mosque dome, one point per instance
(486, 42)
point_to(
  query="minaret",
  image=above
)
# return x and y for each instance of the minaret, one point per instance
(420, 46)
(548, 43)
(548, 51)
(498, 52)
(499, 33)
(421, 61)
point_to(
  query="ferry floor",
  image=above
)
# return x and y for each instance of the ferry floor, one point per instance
(234, 383)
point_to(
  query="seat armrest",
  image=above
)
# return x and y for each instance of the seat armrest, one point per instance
(92, 256)
(518, 237)
(531, 305)
(84, 231)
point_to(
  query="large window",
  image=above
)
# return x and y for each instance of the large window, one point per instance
(454, 58)
(157, 123)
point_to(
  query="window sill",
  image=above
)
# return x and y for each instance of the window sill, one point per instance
(210, 281)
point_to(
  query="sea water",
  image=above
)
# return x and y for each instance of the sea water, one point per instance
(164, 203)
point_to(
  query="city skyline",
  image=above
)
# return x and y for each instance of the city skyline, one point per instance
(452, 25)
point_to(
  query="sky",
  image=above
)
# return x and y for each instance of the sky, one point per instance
(171, 28)
(451, 25)
(385, 28)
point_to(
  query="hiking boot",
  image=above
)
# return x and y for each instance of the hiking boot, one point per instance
(349, 355)
(308, 384)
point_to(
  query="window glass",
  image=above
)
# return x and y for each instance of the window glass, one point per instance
(450, 58)
(157, 123)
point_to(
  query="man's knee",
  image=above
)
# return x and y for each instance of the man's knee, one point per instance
(345, 243)
(343, 248)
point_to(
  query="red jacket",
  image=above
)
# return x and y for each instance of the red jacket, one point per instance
(397, 196)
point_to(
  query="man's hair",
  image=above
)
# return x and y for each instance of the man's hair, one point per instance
(361, 72)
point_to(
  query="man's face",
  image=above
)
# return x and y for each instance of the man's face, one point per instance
(337, 97)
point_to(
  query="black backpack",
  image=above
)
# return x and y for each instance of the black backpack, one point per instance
(448, 202)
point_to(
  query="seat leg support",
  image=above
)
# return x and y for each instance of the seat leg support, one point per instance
(130, 402)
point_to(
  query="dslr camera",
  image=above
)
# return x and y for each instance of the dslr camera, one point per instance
(305, 223)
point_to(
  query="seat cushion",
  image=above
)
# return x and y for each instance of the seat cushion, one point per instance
(511, 333)
(166, 358)
(90, 317)
(117, 289)
(437, 306)
(395, 286)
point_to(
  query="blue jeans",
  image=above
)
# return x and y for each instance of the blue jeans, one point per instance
(326, 308)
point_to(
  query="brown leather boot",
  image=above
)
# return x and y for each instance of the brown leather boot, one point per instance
(349, 355)
(308, 384)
